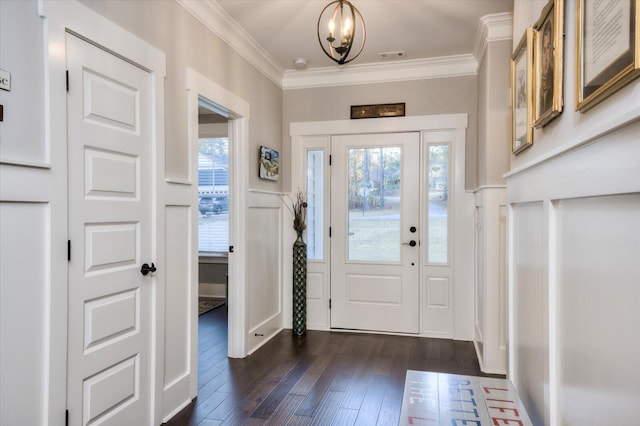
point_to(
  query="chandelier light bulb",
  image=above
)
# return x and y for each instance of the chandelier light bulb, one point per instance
(347, 26)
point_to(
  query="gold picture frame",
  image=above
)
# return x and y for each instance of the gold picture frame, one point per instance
(548, 63)
(608, 49)
(521, 93)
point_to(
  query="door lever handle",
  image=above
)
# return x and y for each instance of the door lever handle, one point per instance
(411, 243)
(146, 269)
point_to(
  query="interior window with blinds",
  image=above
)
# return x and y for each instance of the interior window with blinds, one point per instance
(213, 195)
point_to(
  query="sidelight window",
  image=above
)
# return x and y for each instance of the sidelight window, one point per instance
(438, 203)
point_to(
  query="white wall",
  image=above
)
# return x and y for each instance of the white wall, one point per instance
(188, 43)
(33, 242)
(493, 158)
(33, 196)
(574, 264)
(422, 97)
(574, 203)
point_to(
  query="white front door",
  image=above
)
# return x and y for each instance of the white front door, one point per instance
(375, 203)
(110, 223)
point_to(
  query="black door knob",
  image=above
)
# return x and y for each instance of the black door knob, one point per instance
(412, 229)
(146, 269)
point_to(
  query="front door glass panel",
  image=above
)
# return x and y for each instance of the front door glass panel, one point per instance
(374, 194)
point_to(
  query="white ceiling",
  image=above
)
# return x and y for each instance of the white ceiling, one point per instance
(287, 29)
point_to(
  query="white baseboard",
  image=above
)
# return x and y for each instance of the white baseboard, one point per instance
(212, 290)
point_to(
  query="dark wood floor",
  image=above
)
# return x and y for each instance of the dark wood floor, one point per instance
(323, 378)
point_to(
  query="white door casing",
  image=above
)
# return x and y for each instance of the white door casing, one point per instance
(238, 112)
(110, 228)
(376, 294)
(446, 290)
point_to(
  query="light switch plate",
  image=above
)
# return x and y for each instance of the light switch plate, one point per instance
(5, 80)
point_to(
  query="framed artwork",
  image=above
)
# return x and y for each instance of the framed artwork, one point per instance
(377, 111)
(521, 96)
(548, 63)
(269, 163)
(608, 49)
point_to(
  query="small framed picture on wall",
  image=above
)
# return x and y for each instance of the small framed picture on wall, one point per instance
(269, 163)
(521, 94)
(548, 63)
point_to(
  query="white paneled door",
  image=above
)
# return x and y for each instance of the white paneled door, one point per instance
(375, 203)
(110, 222)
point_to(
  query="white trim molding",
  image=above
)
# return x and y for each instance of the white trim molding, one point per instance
(212, 16)
(238, 112)
(419, 69)
(496, 27)
(491, 28)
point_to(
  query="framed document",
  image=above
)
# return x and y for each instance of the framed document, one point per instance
(521, 94)
(548, 63)
(608, 53)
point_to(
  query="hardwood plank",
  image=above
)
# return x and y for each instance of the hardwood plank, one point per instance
(208, 422)
(320, 378)
(298, 420)
(269, 405)
(262, 388)
(345, 417)
(309, 379)
(360, 382)
(285, 410)
(392, 402)
(312, 401)
(328, 408)
(372, 402)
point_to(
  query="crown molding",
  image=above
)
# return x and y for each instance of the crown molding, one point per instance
(212, 16)
(420, 69)
(496, 27)
(491, 28)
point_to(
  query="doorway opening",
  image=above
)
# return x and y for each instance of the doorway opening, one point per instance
(213, 209)
(213, 206)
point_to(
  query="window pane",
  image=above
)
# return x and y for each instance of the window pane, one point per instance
(213, 193)
(315, 203)
(374, 204)
(438, 203)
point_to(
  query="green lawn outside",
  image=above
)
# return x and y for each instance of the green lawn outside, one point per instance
(376, 238)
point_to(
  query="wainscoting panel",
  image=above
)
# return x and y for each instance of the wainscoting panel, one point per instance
(264, 275)
(598, 294)
(24, 298)
(178, 295)
(491, 280)
(530, 300)
(574, 263)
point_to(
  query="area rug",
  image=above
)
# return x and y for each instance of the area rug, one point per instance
(450, 399)
(206, 304)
